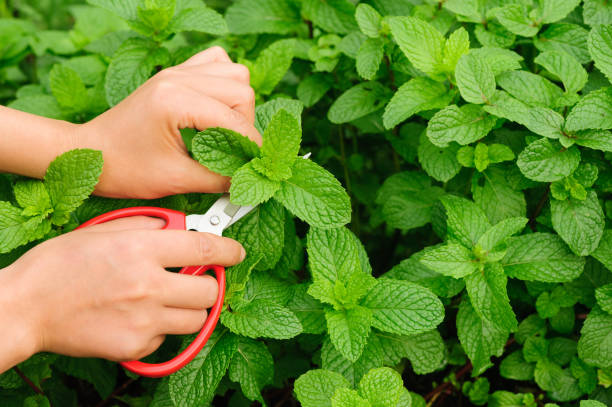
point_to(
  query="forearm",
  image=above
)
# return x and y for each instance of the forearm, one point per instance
(28, 143)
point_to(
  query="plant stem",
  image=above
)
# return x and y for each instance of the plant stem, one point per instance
(539, 208)
(435, 393)
(29, 382)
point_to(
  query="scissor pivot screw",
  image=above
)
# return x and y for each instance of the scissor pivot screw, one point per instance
(214, 220)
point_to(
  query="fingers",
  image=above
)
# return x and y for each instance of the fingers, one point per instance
(201, 112)
(178, 248)
(213, 54)
(230, 70)
(200, 179)
(236, 95)
(189, 292)
(175, 321)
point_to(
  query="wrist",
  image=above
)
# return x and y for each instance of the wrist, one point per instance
(21, 338)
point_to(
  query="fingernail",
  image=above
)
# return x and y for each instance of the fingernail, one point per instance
(242, 253)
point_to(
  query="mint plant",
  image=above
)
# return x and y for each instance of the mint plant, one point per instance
(446, 243)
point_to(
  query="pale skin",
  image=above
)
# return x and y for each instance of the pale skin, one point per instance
(103, 291)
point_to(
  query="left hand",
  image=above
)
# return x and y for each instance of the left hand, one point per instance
(144, 154)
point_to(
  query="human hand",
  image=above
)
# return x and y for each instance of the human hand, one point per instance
(102, 291)
(144, 154)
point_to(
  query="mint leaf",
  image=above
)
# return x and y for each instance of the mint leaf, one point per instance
(496, 197)
(514, 18)
(238, 275)
(196, 382)
(249, 187)
(566, 68)
(603, 253)
(309, 311)
(422, 44)
(315, 388)
(281, 143)
(592, 112)
(68, 89)
(223, 151)
(463, 125)
(349, 330)
(345, 397)
(369, 57)
(515, 367)
(402, 307)
(487, 291)
(261, 232)
(465, 221)
(579, 223)
(262, 319)
(555, 10)
(541, 257)
(368, 20)
(198, 18)
(500, 232)
(416, 95)
(457, 45)
(529, 88)
(131, 66)
(70, 179)
(452, 260)
(600, 40)
(547, 161)
(499, 59)
(475, 79)
(336, 16)
(480, 339)
(382, 387)
(315, 196)
(265, 112)
(271, 65)
(373, 356)
(33, 197)
(251, 366)
(358, 101)
(569, 38)
(128, 10)
(102, 374)
(595, 139)
(313, 88)
(425, 351)
(440, 163)
(263, 16)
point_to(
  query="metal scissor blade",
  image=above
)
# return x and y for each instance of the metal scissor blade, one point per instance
(218, 218)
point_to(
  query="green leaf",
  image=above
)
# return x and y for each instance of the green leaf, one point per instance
(457, 45)
(600, 41)
(131, 66)
(529, 88)
(579, 223)
(265, 112)
(261, 233)
(315, 196)
(263, 16)
(555, 10)
(546, 161)
(541, 257)
(452, 260)
(368, 20)
(440, 163)
(70, 179)
(223, 151)
(369, 57)
(604, 297)
(569, 38)
(271, 65)
(592, 112)
(251, 366)
(360, 100)
(315, 388)
(345, 397)
(195, 384)
(422, 44)
(465, 221)
(41, 105)
(426, 351)
(250, 187)
(127, 10)
(349, 330)
(514, 18)
(262, 319)
(200, 18)
(480, 339)
(102, 374)
(603, 253)
(487, 291)
(500, 232)
(463, 125)
(515, 367)
(68, 89)
(499, 59)
(402, 307)
(33, 197)
(416, 95)
(373, 356)
(309, 311)
(382, 387)
(566, 68)
(313, 88)
(496, 197)
(281, 144)
(596, 12)
(238, 275)
(595, 139)
(336, 16)
(586, 375)
(475, 79)
(559, 382)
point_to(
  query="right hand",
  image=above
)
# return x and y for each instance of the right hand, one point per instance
(102, 291)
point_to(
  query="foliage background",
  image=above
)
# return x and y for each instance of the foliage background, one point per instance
(452, 127)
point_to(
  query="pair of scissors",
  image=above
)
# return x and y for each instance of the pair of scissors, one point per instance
(219, 217)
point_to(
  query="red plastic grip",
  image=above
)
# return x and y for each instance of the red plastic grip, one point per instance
(174, 220)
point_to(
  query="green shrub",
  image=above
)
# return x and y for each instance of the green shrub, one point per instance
(473, 139)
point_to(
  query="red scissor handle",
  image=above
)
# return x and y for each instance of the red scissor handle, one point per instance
(174, 220)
